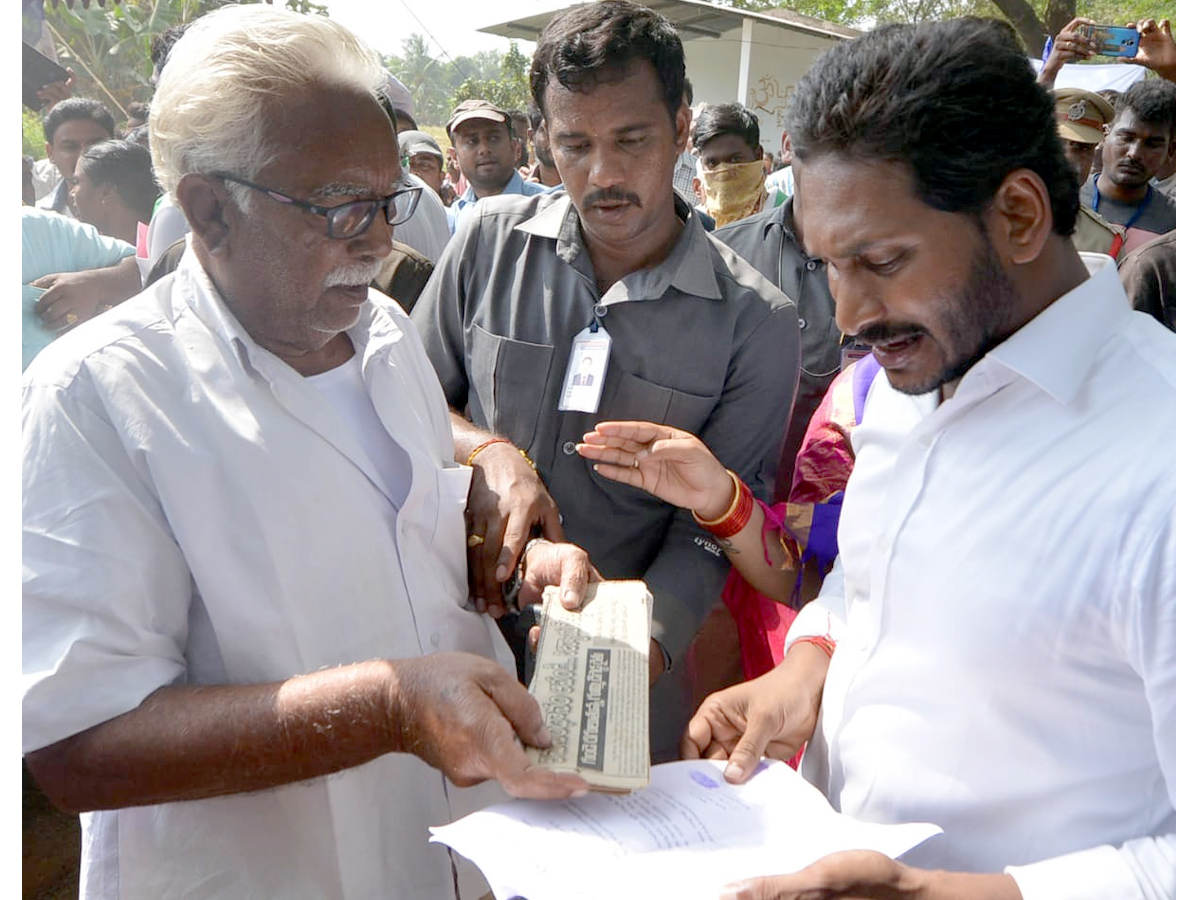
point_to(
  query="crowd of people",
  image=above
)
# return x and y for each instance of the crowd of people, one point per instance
(313, 410)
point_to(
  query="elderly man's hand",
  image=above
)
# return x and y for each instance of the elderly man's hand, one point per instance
(867, 875)
(71, 298)
(506, 501)
(467, 717)
(1156, 47)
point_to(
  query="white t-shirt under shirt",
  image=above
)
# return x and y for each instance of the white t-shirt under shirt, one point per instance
(344, 387)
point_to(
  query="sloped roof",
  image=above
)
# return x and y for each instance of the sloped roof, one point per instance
(692, 18)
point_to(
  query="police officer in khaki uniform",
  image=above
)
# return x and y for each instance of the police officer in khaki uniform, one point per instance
(1082, 116)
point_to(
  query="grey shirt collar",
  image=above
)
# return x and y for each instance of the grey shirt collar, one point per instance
(688, 268)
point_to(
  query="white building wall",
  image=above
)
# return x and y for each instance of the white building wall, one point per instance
(778, 57)
(712, 66)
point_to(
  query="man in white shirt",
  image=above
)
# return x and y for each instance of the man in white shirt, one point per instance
(1004, 605)
(249, 658)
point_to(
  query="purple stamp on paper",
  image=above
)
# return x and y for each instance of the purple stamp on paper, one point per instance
(704, 780)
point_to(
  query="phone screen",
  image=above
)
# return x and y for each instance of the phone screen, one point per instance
(1113, 40)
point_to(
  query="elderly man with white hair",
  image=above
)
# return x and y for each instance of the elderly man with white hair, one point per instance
(249, 659)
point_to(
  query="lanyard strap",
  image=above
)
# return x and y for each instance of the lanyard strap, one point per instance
(1137, 213)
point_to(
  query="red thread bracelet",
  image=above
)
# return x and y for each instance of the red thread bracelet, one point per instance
(823, 641)
(480, 448)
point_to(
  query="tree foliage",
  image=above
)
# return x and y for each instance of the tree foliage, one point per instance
(109, 49)
(438, 84)
(1034, 20)
(109, 46)
(509, 90)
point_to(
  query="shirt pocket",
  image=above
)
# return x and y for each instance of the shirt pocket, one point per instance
(432, 534)
(510, 379)
(638, 399)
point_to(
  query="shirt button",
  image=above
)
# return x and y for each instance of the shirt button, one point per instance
(811, 265)
(803, 324)
(882, 544)
(926, 441)
(601, 312)
(435, 639)
(569, 448)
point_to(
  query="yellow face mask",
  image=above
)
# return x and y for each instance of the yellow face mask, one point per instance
(733, 191)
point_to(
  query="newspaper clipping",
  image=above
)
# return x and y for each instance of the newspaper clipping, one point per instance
(592, 680)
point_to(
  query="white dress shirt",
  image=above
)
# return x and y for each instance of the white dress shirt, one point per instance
(196, 513)
(1004, 608)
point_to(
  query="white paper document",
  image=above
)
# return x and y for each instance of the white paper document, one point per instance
(686, 835)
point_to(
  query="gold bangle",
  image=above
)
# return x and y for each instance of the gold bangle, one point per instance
(525, 456)
(499, 440)
(481, 447)
(737, 495)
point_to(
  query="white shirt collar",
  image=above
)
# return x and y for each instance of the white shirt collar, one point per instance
(373, 330)
(1056, 349)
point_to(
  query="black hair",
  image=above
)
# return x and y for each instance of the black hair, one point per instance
(518, 115)
(596, 42)
(161, 46)
(725, 118)
(688, 95)
(139, 136)
(400, 117)
(957, 102)
(75, 108)
(1151, 101)
(127, 167)
(535, 117)
(386, 102)
(138, 110)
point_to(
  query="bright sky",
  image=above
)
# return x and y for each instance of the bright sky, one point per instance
(386, 23)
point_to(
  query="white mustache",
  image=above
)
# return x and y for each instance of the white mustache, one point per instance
(354, 274)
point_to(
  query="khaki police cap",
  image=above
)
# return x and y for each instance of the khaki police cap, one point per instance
(1081, 115)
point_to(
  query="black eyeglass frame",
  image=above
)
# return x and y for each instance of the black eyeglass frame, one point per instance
(328, 212)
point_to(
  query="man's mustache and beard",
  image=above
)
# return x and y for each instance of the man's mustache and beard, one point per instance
(972, 320)
(354, 274)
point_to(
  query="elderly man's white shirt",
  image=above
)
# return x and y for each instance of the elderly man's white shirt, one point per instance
(1005, 664)
(195, 513)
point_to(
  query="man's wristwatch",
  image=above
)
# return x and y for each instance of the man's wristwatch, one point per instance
(512, 587)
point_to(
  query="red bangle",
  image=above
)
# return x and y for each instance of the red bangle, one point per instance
(736, 517)
(824, 641)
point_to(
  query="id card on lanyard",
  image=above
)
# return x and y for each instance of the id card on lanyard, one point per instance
(586, 369)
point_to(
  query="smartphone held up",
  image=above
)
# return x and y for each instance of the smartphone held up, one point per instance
(1112, 39)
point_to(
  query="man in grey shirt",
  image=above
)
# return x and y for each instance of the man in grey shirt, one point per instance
(771, 242)
(693, 336)
(1137, 143)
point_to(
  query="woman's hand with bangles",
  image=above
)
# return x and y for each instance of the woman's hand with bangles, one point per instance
(670, 464)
